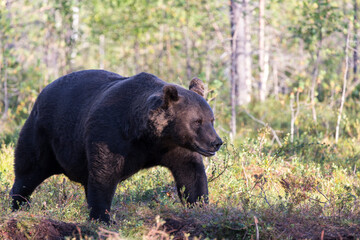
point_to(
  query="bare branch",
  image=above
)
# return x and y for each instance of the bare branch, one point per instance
(265, 125)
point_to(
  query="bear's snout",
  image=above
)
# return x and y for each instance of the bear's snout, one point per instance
(217, 144)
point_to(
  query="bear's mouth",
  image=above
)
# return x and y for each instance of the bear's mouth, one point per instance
(204, 152)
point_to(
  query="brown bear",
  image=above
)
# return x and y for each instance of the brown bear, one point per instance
(99, 128)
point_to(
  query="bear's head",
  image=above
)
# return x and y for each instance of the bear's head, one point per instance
(184, 118)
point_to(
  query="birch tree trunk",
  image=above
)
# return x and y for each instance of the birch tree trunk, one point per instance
(74, 32)
(356, 42)
(4, 53)
(275, 79)
(5, 78)
(241, 50)
(240, 57)
(264, 73)
(263, 54)
(294, 114)
(187, 53)
(234, 55)
(70, 24)
(343, 95)
(187, 43)
(247, 55)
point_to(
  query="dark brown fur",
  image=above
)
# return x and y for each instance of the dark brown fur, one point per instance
(99, 128)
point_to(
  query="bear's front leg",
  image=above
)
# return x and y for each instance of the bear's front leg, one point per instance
(104, 174)
(191, 181)
(99, 198)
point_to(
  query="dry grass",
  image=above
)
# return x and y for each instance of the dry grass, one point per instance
(255, 192)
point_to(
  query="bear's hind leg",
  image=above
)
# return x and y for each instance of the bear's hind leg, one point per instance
(24, 186)
(31, 169)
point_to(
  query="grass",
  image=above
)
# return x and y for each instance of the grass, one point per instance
(255, 189)
(309, 189)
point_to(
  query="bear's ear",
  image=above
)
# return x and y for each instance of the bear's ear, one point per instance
(170, 94)
(196, 85)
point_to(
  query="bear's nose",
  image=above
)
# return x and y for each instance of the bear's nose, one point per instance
(217, 143)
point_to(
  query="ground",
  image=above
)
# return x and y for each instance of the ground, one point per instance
(254, 191)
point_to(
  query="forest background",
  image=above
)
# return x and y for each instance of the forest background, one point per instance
(281, 76)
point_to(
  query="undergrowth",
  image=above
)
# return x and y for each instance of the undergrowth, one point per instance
(305, 189)
(300, 190)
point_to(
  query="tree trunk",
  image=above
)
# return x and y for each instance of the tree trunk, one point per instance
(343, 96)
(136, 56)
(294, 114)
(47, 43)
(4, 72)
(247, 52)
(264, 73)
(161, 50)
(187, 53)
(5, 78)
(275, 79)
(71, 25)
(74, 32)
(187, 43)
(240, 57)
(315, 75)
(207, 70)
(102, 51)
(241, 51)
(233, 76)
(356, 42)
(262, 57)
(356, 80)
(168, 52)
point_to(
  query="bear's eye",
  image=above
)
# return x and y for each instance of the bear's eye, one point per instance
(198, 122)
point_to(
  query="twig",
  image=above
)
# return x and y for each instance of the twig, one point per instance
(317, 188)
(223, 129)
(219, 174)
(258, 182)
(226, 165)
(257, 228)
(265, 125)
(263, 192)
(18, 195)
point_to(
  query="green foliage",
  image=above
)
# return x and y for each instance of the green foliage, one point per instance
(318, 19)
(253, 178)
(293, 191)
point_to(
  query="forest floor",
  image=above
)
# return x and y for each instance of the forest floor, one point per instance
(302, 190)
(291, 227)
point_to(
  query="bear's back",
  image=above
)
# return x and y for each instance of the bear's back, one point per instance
(64, 103)
(67, 101)
(79, 86)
